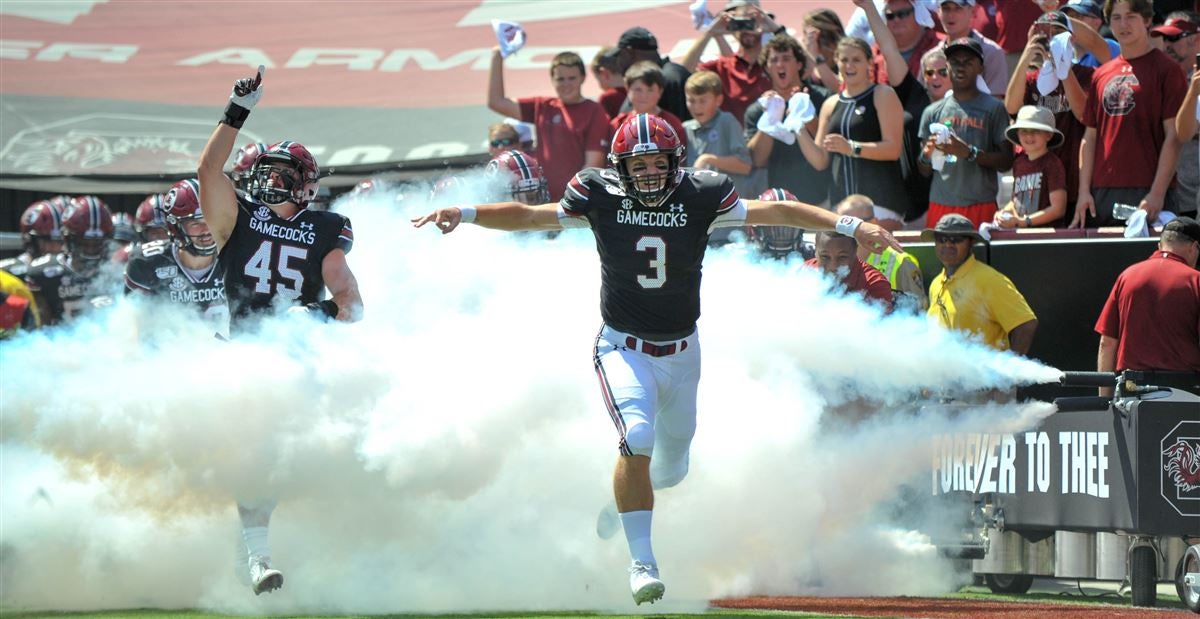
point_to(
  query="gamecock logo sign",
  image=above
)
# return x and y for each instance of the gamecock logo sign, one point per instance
(1180, 471)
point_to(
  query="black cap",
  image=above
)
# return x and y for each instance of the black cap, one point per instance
(638, 38)
(1184, 225)
(966, 43)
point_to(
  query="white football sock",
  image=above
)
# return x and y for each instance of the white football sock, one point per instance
(256, 542)
(637, 533)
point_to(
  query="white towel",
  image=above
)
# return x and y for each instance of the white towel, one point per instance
(510, 35)
(800, 111)
(771, 122)
(701, 18)
(1057, 65)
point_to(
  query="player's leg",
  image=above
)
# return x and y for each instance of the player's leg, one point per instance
(675, 420)
(256, 519)
(627, 385)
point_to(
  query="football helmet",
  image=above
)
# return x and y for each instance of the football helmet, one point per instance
(87, 228)
(185, 221)
(777, 241)
(123, 231)
(41, 228)
(243, 163)
(148, 221)
(298, 178)
(646, 134)
(523, 174)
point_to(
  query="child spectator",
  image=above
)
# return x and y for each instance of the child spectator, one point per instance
(714, 136)
(606, 68)
(502, 137)
(1039, 180)
(644, 81)
(572, 132)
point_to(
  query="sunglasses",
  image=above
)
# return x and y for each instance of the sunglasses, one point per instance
(502, 142)
(942, 72)
(1177, 38)
(901, 14)
(942, 239)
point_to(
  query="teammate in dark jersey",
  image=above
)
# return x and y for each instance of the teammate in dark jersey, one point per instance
(276, 253)
(41, 234)
(651, 221)
(66, 284)
(184, 268)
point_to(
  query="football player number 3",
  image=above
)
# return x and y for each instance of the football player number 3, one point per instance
(657, 248)
(289, 279)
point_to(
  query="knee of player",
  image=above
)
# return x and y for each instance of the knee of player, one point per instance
(640, 439)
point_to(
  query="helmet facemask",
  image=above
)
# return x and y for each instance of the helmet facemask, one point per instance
(195, 236)
(642, 176)
(86, 251)
(288, 188)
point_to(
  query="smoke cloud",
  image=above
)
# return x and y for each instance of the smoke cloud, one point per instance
(451, 451)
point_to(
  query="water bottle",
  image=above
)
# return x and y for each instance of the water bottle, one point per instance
(950, 131)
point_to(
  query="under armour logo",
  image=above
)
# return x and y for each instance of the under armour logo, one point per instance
(676, 208)
(218, 281)
(304, 225)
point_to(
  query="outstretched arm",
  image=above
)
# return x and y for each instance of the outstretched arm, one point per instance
(510, 216)
(218, 199)
(815, 218)
(497, 101)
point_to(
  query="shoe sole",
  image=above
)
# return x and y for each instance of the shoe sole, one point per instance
(270, 582)
(652, 593)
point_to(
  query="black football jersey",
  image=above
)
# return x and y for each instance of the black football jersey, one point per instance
(154, 268)
(17, 266)
(62, 292)
(271, 260)
(650, 258)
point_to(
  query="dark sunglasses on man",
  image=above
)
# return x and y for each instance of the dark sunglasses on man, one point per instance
(502, 142)
(944, 72)
(901, 14)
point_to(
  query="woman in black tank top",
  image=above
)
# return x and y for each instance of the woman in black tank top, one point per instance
(861, 134)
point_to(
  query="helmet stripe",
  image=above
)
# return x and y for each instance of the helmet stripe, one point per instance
(94, 211)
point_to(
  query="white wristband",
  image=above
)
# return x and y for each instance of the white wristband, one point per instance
(468, 214)
(846, 225)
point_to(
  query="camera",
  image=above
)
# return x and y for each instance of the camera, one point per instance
(741, 23)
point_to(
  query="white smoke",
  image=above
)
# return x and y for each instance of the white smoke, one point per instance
(451, 451)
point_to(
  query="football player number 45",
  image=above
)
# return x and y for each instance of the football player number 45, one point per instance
(261, 268)
(657, 248)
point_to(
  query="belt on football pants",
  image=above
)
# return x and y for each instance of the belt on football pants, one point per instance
(655, 350)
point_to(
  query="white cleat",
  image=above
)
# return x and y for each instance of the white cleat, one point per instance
(644, 582)
(608, 522)
(263, 577)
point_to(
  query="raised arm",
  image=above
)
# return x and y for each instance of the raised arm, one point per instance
(714, 29)
(510, 216)
(1014, 96)
(218, 199)
(897, 67)
(1185, 119)
(497, 102)
(1090, 40)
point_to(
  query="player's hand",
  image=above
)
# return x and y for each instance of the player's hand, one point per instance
(1084, 206)
(446, 219)
(875, 238)
(248, 90)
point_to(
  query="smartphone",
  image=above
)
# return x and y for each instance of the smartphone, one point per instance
(741, 23)
(1198, 60)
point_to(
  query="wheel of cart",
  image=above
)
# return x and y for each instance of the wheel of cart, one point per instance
(1008, 583)
(1187, 578)
(1143, 573)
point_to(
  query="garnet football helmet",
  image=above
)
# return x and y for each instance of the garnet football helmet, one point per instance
(148, 221)
(87, 227)
(185, 221)
(523, 174)
(646, 134)
(297, 177)
(41, 224)
(243, 163)
(777, 241)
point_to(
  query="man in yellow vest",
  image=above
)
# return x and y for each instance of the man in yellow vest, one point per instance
(901, 269)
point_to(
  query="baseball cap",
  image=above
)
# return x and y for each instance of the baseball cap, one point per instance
(737, 4)
(1186, 226)
(1034, 117)
(952, 224)
(1085, 6)
(966, 43)
(1173, 27)
(1056, 19)
(958, 2)
(638, 38)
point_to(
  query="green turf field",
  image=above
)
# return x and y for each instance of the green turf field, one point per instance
(162, 614)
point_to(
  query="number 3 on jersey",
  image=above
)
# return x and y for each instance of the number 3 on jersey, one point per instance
(259, 267)
(658, 261)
